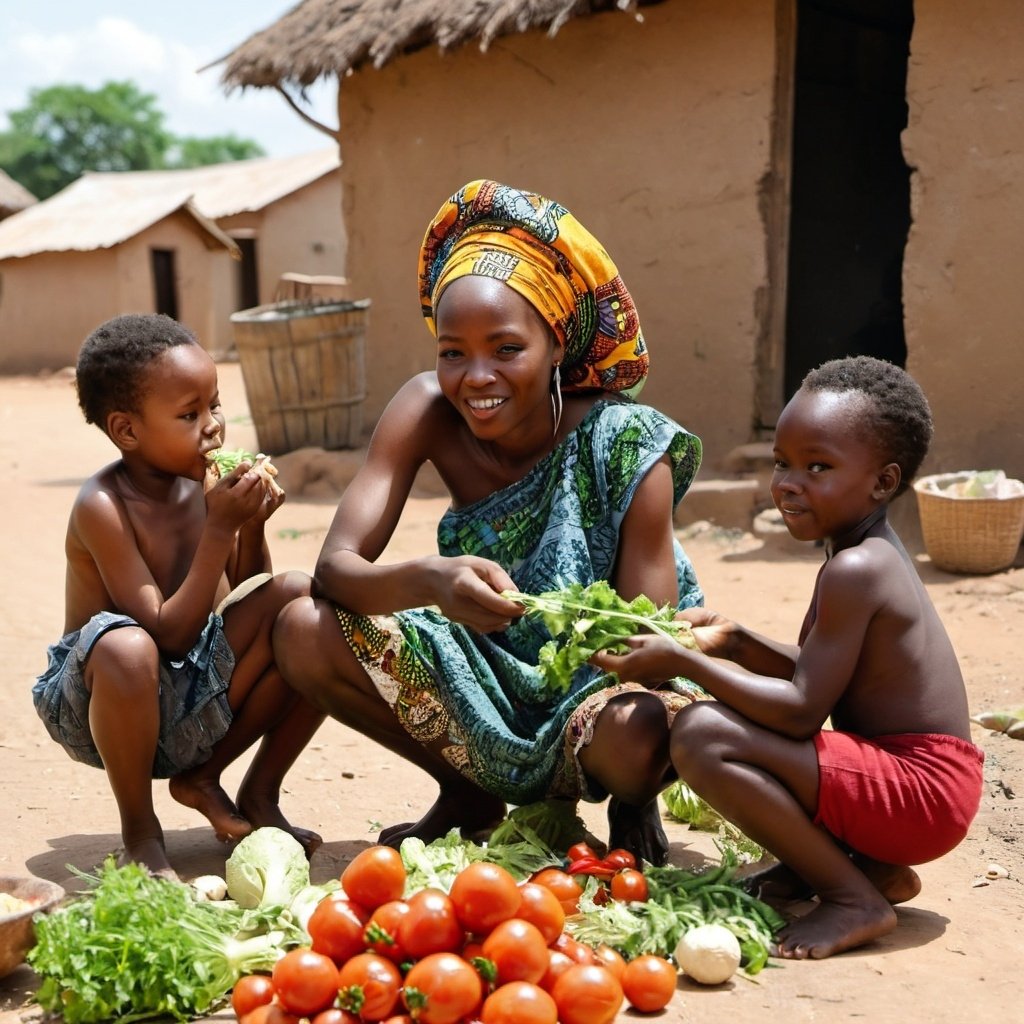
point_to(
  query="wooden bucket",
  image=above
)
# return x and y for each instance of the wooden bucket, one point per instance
(304, 368)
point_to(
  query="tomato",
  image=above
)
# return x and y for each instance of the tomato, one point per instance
(369, 985)
(519, 1002)
(374, 876)
(251, 991)
(540, 906)
(580, 850)
(649, 982)
(431, 925)
(484, 895)
(305, 981)
(607, 956)
(620, 858)
(441, 989)
(269, 1013)
(518, 951)
(563, 885)
(629, 886)
(578, 952)
(558, 962)
(336, 928)
(398, 1018)
(335, 1016)
(587, 994)
(381, 933)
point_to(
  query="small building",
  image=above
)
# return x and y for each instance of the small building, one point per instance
(13, 196)
(779, 182)
(195, 244)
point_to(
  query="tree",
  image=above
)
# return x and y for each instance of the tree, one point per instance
(65, 130)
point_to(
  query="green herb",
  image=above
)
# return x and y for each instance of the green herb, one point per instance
(683, 804)
(226, 461)
(134, 947)
(583, 620)
(678, 901)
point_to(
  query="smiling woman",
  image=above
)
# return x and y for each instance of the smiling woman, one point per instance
(556, 476)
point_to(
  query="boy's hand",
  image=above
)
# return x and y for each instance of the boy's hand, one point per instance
(713, 632)
(235, 498)
(651, 660)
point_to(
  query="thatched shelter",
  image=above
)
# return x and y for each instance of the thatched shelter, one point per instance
(779, 183)
(13, 196)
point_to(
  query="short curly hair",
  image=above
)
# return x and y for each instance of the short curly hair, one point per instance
(897, 417)
(110, 375)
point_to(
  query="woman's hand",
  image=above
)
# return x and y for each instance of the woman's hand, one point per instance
(650, 660)
(714, 633)
(468, 590)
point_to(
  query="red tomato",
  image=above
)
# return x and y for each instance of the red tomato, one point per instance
(381, 932)
(519, 1002)
(580, 850)
(431, 925)
(563, 885)
(587, 994)
(305, 981)
(484, 895)
(540, 906)
(335, 1016)
(441, 989)
(269, 1013)
(620, 858)
(369, 985)
(518, 951)
(558, 963)
(251, 991)
(629, 886)
(336, 928)
(649, 982)
(398, 1018)
(578, 952)
(375, 876)
(611, 958)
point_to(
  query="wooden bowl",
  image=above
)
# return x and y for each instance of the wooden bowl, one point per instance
(17, 932)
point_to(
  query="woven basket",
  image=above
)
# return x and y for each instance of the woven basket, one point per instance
(969, 535)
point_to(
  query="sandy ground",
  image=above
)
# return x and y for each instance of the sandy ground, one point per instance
(954, 956)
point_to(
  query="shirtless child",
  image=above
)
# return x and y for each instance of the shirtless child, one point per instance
(895, 781)
(149, 680)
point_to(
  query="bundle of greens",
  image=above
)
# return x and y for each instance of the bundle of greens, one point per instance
(678, 901)
(683, 804)
(583, 620)
(134, 947)
(220, 462)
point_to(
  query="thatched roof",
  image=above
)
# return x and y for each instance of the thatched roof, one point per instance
(321, 38)
(13, 196)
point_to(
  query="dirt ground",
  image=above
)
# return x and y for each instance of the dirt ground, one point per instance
(954, 956)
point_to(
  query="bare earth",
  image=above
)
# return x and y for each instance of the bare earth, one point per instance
(955, 955)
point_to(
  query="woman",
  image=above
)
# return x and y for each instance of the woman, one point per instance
(556, 475)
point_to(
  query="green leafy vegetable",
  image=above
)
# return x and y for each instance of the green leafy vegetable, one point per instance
(552, 825)
(267, 868)
(134, 947)
(683, 804)
(226, 461)
(583, 620)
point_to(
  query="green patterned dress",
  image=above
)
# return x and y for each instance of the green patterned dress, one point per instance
(481, 694)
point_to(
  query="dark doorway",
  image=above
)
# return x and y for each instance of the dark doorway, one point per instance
(248, 279)
(165, 284)
(850, 187)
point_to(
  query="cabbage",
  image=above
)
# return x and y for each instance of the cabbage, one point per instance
(267, 868)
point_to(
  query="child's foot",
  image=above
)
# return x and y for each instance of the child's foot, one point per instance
(895, 882)
(834, 927)
(777, 884)
(208, 798)
(261, 813)
(476, 816)
(150, 854)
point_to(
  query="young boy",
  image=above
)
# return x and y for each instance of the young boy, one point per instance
(895, 781)
(146, 682)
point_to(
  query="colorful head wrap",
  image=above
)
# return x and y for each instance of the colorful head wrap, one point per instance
(539, 249)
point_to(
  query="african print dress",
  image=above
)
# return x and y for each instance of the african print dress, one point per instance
(482, 694)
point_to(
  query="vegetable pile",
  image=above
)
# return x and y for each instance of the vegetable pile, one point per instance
(583, 620)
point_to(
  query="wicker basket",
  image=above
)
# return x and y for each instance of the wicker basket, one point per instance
(303, 364)
(968, 535)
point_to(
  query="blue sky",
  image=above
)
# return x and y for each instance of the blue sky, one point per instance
(159, 46)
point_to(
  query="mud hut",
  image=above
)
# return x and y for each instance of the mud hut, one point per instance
(780, 183)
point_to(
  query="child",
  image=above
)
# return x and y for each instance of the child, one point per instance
(895, 781)
(146, 682)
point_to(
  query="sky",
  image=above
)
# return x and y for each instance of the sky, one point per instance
(161, 47)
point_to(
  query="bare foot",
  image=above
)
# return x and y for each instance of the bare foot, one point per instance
(639, 830)
(150, 854)
(894, 881)
(477, 815)
(208, 798)
(265, 813)
(835, 927)
(777, 884)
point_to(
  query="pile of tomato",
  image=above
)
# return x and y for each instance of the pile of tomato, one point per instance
(490, 951)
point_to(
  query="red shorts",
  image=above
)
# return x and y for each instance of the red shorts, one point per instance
(901, 799)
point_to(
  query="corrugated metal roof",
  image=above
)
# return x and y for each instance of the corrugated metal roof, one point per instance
(104, 209)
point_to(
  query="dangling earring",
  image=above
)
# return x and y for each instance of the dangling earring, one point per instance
(556, 399)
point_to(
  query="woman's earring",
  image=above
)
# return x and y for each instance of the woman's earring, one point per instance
(556, 399)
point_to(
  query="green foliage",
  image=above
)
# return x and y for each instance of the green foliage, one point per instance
(65, 130)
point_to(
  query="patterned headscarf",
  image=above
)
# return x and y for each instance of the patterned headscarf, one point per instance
(539, 249)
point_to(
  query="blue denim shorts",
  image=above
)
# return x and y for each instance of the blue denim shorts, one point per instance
(194, 709)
